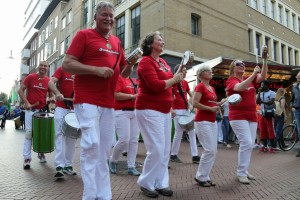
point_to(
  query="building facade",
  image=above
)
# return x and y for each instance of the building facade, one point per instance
(210, 29)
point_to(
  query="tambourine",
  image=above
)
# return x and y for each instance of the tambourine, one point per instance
(264, 53)
(234, 99)
(188, 59)
(134, 56)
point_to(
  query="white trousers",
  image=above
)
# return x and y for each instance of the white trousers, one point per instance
(156, 131)
(28, 130)
(178, 135)
(245, 132)
(97, 128)
(220, 132)
(64, 146)
(207, 133)
(128, 135)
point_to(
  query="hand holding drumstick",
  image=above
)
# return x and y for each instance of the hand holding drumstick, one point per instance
(28, 106)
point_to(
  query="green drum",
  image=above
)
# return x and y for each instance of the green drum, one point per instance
(43, 132)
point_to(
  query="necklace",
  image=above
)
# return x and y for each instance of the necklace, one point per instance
(108, 45)
(162, 66)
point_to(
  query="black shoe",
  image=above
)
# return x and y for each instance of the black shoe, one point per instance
(174, 158)
(149, 193)
(165, 192)
(124, 153)
(196, 159)
(298, 154)
(59, 172)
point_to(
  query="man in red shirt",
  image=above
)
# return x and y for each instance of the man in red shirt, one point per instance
(64, 146)
(35, 100)
(96, 58)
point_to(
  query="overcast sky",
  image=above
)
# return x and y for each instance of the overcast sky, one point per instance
(11, 20)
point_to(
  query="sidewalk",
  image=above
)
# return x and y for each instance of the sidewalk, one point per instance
(278, 175)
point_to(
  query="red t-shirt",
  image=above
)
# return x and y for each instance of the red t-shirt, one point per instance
(246, 109)
(124, 85)
(91, 48)
(65, 85)
(205, 115)
(152, 93)
(37, 89)
(178, 102)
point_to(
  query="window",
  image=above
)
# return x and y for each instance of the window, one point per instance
(119, 2)
(56, 22)
(62, 48)
(258, 43)
(282, 53)
(51, 27)
(280, 13)
(54, 45)
(250, 39)
(43, 37)
(267, 41)
(275, 44)
(254, 4)
(293, 22)
(121, 29)
(299, 25)
(289, 56)
(47, 32)
(93, 5)
(136, 25)
(67, 43)
(63, 22)
(85, 12)
(272, 8)
(40, 40)
(195, 19)
(264, 7)
(287, 13)
(69, 16)
(296, 57)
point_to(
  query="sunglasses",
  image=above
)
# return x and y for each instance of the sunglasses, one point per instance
(240, 64)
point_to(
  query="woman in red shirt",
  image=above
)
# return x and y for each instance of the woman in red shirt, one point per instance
(205, 101)
(153, 105)
(243, 116)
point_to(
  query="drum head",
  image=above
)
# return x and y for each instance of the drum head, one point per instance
(71, 120)
(234, 99)
(43, 115)
(186, 119)
(188, 57)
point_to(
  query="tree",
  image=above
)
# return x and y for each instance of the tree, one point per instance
(4, 98)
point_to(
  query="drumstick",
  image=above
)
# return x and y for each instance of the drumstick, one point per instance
(68, 99)
(35, 104)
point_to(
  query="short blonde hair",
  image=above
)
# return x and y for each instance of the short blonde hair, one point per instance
(202, 69)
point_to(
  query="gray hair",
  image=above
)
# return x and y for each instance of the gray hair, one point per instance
(202, 69)
(104, 4)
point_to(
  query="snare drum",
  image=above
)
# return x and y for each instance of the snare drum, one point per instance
(70, 127)
(43, 132)
(186, 122)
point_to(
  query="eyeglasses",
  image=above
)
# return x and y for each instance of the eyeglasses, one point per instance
(240, 64)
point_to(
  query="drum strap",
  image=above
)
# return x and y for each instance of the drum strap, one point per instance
(182, 95)
(134, 85)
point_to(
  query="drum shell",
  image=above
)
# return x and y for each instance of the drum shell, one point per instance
(17, 121)
(43, 133)
(187, 122)
(68, 130)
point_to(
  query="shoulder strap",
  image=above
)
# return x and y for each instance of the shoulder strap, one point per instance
(182, 95)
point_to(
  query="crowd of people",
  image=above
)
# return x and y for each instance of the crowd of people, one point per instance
(95, 83)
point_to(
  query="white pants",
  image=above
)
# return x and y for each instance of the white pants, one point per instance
(207, 133)
(156, 131)
(97, 128)
(28, 130)
(220, 132)
(64, 146)
(128, 135)
(245, 132)
(178, 135)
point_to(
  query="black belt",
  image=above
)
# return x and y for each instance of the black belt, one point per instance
(127, 109)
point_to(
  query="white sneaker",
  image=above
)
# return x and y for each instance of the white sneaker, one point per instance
(243, 179)
(250, 176)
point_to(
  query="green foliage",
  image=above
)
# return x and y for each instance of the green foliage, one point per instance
(4, 98)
